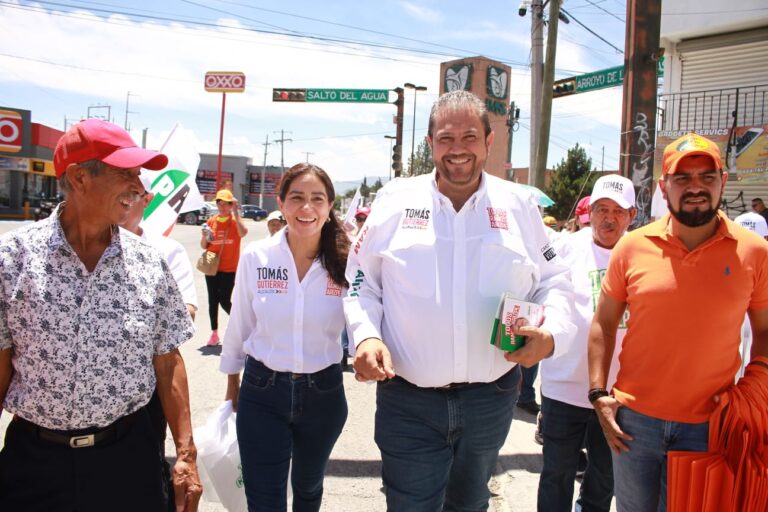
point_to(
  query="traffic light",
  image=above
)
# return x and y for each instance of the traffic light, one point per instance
(289, 95)
(397, 158)
(564, 87)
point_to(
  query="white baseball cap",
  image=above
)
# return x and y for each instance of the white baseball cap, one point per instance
(616, 188)
(275, 215)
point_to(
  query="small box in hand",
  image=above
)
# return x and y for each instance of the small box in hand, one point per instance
(514, 313)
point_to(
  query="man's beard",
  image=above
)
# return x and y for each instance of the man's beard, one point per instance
(695, 218)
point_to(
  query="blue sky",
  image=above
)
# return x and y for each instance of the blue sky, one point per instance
(60, 58)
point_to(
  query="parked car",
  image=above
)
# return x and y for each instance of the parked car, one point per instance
(197, 217)
(251, 211)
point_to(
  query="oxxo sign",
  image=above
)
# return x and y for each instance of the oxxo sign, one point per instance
(11, 129)
(225, 81)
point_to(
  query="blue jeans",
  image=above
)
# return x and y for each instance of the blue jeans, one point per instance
(640, 475)
(527, 391)
(566, 428)
(283, 416)
(439, 447)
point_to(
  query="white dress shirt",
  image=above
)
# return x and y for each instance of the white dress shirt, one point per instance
(178, 263)
(288, 325)
(427, 280)
(565, 375)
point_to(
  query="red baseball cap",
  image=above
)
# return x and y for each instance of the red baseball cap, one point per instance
(582, 210)
(363, 212)
(94, 139)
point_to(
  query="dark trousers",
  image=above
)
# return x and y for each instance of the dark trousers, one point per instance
(284, 417)
(440, 447)
(120, 474)
(527, 391)
(566, 428)
(219, 293)
(160, 426)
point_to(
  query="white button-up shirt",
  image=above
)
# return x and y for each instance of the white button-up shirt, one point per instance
(178, 263)
(288, 325)
(428, 280)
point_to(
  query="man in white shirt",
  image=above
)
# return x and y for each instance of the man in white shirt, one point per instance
(181, 269)
(426, 274)
(568, 419)
(753, 222)
(756, 223)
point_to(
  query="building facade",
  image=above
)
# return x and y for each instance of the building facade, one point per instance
(716, 84)
(26, 163)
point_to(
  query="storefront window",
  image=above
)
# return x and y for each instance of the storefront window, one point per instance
(5, 189)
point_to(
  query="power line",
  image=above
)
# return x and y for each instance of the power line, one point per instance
(605, 10)
(592, 31)
(322, 39)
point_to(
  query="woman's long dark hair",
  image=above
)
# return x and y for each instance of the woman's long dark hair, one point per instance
(334, 244)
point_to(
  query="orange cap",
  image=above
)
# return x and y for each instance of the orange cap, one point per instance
(689, 145)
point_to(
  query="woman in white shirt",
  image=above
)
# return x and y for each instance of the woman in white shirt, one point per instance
(284, 331)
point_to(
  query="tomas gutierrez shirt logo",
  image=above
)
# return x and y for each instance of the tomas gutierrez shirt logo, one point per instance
(415, 219)
(497, 217)
(271, 280)
(332, 289)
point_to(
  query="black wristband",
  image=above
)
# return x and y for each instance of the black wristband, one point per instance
(595, 393)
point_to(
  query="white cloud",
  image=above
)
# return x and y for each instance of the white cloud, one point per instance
(422, 13)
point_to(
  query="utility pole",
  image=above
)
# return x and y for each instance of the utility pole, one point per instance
(512, 126)
(397, 151)
(144, 137)
(127, 102)
(546, 95)
(638, 120)
(263, 170)
(307, 153)
(100, 107)
(537, 50)
(282, 140)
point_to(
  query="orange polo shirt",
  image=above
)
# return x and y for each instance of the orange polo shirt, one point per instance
(682, 345)
(230, 256)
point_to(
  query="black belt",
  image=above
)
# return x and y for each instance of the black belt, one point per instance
(77, 438)
(453, 386)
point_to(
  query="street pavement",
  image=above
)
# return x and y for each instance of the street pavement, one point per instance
(353, 480)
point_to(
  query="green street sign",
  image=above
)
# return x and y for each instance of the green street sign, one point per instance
(611, 77)
(348, 95)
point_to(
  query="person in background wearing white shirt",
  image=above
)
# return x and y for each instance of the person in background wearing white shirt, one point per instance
(178, 263)
(426, 274)
(568, 419)
(756, 223)
(284, 330)
(753, 222)
(275, 222)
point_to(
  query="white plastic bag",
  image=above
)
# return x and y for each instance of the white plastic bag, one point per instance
(218, 458)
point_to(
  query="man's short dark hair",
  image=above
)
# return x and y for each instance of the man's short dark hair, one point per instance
(757, 200)
(459, 100)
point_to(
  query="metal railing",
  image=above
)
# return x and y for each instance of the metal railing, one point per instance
(714, 109)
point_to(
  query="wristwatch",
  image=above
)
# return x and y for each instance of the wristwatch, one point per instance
(595, 393)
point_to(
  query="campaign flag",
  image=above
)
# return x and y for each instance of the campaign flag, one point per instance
(349, 219)
(174, 187)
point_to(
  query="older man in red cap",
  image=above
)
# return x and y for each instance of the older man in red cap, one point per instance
(90, 322)
(687, 280)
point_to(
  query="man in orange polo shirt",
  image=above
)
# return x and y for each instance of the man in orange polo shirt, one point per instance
(687, 280)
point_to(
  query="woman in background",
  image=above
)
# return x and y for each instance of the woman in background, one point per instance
(222, 234)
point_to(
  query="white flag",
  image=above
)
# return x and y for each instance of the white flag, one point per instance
(349, 219)
(174, 187)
